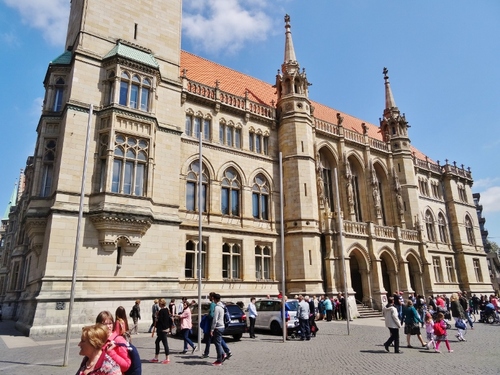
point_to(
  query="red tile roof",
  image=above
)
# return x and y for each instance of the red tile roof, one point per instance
(208, 72)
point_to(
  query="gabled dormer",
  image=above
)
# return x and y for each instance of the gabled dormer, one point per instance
(393, 125)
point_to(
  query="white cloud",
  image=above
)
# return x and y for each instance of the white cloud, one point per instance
(216, 25)
(490, 199)
(48, 16)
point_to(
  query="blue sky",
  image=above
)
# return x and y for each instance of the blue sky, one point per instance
(442, 58)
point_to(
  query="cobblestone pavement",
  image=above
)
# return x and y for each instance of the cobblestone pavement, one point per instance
(332, 351)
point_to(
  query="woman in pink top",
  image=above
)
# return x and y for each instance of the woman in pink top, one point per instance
(118, 353)
(186, 326)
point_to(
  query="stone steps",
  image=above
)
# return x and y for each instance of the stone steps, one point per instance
(367, 312)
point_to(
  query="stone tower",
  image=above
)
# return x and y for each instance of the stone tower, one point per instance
(296, 143)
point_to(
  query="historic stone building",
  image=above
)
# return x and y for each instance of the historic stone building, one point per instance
(408, 223)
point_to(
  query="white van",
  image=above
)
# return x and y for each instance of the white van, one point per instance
(269, 314)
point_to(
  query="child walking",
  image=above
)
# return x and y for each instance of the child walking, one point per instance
(440, 332)
(429, 329)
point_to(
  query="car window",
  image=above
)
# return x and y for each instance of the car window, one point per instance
(233, 309)
(293, 305)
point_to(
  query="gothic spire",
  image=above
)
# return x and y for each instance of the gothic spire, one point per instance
(289, 50)
(390, 104)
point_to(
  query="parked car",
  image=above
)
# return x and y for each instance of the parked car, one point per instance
(235, 328)
(269, 315)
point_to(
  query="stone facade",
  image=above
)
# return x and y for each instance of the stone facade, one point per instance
(408, 223)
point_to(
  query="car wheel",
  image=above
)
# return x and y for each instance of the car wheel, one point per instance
(237, 337)
(490, 319)
(275, 328)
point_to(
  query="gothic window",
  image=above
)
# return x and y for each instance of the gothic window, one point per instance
(450, 270)
(262, 262)
(260, 198)
(424, 187)
(357, 198)
(229, 135)
(14, 278)
(48, 159)
(469, 229)
(429, 226)
(477, 270)
(443, 234)
(191, 262)
(192, 187)
(438, 272)
(195, 124)
(111, 88)
(230, 193)
(231, 258)
(326, 175)
(258, 143)
(462, 195)
(135, 91)
(129, 165)
(436, 190)
(103, 154)
(58, 95)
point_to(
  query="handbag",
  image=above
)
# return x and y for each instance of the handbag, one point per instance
(460, 324)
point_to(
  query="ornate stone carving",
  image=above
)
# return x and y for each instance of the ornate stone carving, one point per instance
(35, 229)
(120, 230)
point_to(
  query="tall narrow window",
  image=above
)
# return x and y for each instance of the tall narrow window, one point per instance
(188, 126)
(230, 193)
(58, 97)
(237, 138)
(477, 270)
(231, 256)
(469, 229)
(49, 156)
(191, 260)
(124, 84)
(443, 234)
(192, 184)
(145, 90)
(450, 270)
(260, 198)
(206, 129)
(265, 145)
(262, 262)
(103, 154)
(129, 165)
(438, 275)
(135, 92)
(357, 198)
(258, 143)
(429, 225)
(251, 137)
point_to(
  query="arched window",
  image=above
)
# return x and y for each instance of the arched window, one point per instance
(429, 225)
(231, 258)
(192, 183)
(443, 234)
(191, 262)
(469, 229)
(230, 193)
(262, 262)
(58, 96)
(135, 92)
(260, 198)
(129, 165)
(49, 157)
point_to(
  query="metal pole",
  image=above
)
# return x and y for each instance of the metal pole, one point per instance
(341, 247)
(282, 240)
(200, 226)
(77, 241)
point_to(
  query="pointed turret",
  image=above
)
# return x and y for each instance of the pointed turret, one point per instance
(291, 80)
(390, 104)
(12, 203)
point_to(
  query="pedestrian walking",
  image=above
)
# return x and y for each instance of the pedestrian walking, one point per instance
(303, 312)
(163, 325)
(392, 322)
(429, 330)
(135, 314)
(440, 332)
(217, 329)
(412, 323)
(96, 359)
(186, 326)
(154, 312)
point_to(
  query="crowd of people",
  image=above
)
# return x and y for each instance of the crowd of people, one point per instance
(433, 314)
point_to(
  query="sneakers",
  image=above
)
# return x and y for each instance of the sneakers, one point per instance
(450, 351)
(436, 351)
(194, 349)
(184, 352)
(228, 355)
(386, 348)
(166, 361)
(224, 357)
(204, 356)
(154, 360)
(217, 363)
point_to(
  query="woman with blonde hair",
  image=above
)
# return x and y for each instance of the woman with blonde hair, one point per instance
(163, 324)
(97, 360)
(113, 345)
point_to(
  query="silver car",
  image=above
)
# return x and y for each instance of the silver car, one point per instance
(269, 315)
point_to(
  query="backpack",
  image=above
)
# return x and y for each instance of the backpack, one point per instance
(227, 316)
(438, 329)
(135, 360)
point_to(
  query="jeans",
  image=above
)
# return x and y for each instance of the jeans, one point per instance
(251, 330)
(187, 340)
(393, 338)
(305, 330)
(217, 339)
